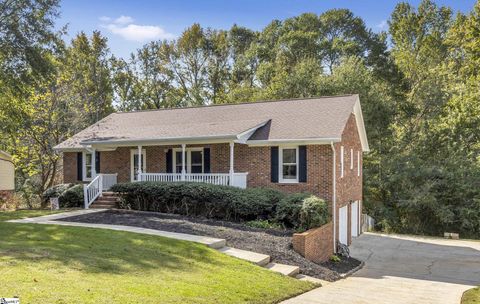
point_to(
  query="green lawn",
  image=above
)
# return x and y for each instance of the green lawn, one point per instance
(59, 264)
(20, 214)
(471, 296)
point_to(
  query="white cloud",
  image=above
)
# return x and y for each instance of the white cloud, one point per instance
(123, 20)
(383, 25)
(124, 27)
(105, 19)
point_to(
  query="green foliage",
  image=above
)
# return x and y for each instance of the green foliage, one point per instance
(69, 195)
(314, 213)
(261, 207)
(55, 191)
(335, 259)
(199, 199)
(263, 224)
(288, 210)
(72, 197)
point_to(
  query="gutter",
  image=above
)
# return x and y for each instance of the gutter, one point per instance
(334, 207)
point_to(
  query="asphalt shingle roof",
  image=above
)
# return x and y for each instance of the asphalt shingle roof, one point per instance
(312, 118)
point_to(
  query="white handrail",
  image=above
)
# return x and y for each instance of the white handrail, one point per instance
(92, 190)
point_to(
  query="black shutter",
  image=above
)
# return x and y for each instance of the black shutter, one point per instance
(169, 160)
(97, 162)
(302, 162)
(206, 160)
(79, 166)
(274, 164)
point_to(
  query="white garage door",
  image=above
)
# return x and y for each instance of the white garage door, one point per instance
(355, 219)
(343, 225)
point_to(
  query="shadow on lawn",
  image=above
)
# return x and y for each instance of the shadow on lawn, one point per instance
(100, 251)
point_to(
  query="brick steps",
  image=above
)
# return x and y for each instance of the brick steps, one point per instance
(108, 200)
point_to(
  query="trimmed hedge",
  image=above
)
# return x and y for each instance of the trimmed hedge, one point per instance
(69, 195)
(219, 202)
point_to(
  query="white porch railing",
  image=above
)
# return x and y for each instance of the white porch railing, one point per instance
(108, 180)
(92, 191)
(209, 178)
(160, 177)
(239, 179)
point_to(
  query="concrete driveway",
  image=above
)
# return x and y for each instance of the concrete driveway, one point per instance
(404, 269)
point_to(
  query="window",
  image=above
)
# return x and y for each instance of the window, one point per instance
(358, 163)
(351, 159)
(196, 162)
(288, 165)
(193, 162)
(178, 162)
(87, 166)
(341, 160)
(134, 164)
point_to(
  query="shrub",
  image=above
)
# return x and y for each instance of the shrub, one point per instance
(263, 224)
(69, 195)
(213, 201)
(288, 209)
(55, 191)
(261, 207)
(72, 197)
(314, 213)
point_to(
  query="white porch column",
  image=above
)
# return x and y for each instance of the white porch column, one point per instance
(139, 164)
(184, 171)
(94, 162)
(231, 163)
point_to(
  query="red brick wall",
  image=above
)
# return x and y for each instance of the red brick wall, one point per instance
(315, 244)
(254, 160)
(348, 187)
(70, 167)
(6, 194)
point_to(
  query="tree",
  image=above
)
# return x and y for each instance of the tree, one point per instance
(87, 73)
(26, 30)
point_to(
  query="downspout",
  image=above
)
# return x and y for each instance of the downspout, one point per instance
(334, 207)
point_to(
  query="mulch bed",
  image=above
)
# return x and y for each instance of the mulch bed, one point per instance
(276, 243)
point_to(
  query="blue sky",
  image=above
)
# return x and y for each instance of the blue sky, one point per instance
(130, 24)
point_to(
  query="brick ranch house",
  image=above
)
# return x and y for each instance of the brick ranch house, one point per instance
(300, 145)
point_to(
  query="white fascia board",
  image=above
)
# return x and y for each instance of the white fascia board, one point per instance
(306, 141)
(161, 141)
(68, 149)
(357, 111)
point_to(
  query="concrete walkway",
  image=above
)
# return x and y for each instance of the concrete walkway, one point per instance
(215, 243)
(404, 269)
(52, 220)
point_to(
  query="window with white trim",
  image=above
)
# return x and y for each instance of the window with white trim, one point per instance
(351, 159)
(342, 152)
(358, 163)
(134, 163)
(87, 166)
(193, 161)
(288, 163)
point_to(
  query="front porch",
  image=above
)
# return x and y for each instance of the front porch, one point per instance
(182, 164)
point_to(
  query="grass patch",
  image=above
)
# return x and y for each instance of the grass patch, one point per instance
(20, 214)
(60, 264)
(471, 296)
